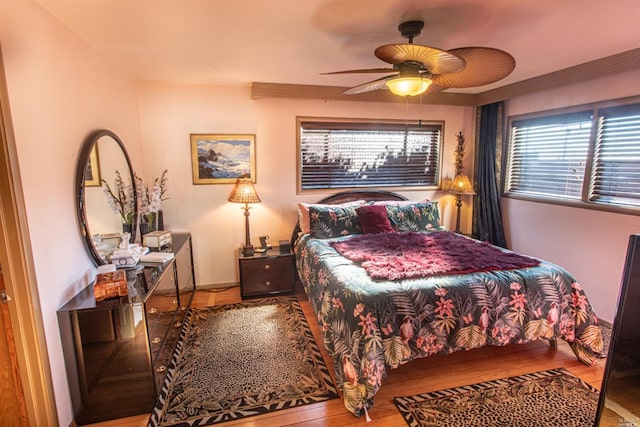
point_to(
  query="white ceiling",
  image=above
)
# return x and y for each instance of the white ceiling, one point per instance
(236, 42)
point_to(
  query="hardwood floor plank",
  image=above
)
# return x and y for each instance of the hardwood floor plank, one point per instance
(419, 376)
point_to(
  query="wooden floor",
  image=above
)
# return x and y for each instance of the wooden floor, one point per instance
(419, 376)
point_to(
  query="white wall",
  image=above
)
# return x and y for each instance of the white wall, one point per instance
(170, 113)
(60, 90)
(590, 244)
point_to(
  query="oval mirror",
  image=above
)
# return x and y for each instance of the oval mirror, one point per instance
(102, 160)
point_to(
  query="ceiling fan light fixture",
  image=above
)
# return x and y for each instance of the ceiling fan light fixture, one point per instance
(408, 86)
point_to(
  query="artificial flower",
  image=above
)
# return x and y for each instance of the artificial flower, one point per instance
(150, 199)
(121, 199)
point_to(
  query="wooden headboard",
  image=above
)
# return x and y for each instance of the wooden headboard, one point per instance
(350, 196)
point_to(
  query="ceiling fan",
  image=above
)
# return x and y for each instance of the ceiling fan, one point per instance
(417, 67)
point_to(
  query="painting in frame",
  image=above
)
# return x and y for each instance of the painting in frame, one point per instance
(222, 158)
(92, 171)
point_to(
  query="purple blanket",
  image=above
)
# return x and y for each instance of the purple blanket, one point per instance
(405, 255)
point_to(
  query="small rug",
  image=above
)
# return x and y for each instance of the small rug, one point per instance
(606, 339)
(541, 399)
(240, 360)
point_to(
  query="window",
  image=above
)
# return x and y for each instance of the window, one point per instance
(548, 155)
(350, 154)
(590, 156)
(616, 173)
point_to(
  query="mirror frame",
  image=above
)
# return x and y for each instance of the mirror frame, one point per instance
(83, 159)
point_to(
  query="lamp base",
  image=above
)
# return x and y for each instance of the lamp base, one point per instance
(248, 250)
(458, 206)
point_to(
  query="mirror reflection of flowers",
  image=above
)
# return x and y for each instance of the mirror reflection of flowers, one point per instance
(120, 198)
(150, 199)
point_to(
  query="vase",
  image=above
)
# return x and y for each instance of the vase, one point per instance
(128, 228)
(144, 228)
(160, 220)
(150, 220)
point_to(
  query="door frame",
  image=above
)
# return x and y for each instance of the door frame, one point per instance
(20, 279)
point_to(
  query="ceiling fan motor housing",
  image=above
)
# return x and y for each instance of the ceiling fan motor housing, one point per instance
(411, 29)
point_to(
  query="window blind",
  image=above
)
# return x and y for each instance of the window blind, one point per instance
(548, 155)
(616, 172)
(353, 155)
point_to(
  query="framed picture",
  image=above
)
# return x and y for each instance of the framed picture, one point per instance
(222, 158)
(92, 172)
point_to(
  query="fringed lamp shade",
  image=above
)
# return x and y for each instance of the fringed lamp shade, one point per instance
(245, 192)
(460, 185)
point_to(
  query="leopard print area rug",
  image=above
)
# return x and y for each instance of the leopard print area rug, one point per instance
(606, 338)
(240, 360)
(540, 399)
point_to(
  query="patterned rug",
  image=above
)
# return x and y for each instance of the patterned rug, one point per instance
(240, 360)
(606, 338)
(540, 399)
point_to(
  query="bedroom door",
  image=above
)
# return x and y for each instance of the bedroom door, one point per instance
(12, 408)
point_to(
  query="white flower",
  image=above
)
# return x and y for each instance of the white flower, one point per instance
(150, 202)
(110, 199)
(120, 200)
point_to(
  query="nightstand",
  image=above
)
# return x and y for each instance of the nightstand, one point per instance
(267, 273)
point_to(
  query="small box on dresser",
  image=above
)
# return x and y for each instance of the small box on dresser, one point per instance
(157, 239)
(110, 285)
(268, 273)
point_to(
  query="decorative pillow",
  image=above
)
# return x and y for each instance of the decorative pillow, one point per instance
(374, 219)
(415, 217)
(303, 212)
(333, 221)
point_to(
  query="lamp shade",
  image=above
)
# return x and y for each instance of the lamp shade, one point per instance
(461, 185)
(408, 85)
(244, 192)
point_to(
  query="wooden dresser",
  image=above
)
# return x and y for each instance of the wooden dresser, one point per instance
(117, 352)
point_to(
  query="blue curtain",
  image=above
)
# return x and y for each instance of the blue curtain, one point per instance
(487, 216)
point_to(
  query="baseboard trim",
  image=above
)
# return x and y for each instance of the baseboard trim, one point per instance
(217, 285)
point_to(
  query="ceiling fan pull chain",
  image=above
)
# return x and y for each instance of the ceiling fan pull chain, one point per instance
(420, 113)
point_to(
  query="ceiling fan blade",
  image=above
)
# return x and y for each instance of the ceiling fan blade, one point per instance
(369, 86)
(368, 70)
(484, 65)
(436, 61)
(434, 88)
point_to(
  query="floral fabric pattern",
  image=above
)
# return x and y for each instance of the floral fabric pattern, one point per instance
(415, 216)
(369, 327)
(330, 221)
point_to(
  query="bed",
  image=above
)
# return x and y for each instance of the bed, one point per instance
(376, 319)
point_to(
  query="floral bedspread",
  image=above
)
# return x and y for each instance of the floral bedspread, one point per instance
(371, 326)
